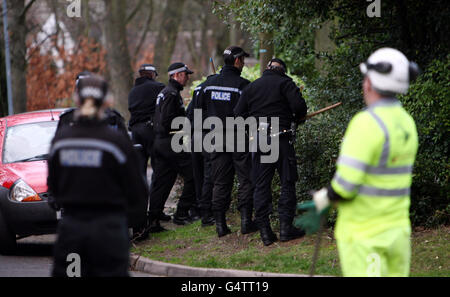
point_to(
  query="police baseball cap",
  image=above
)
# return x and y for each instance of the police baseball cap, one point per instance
(148, 67)
(80, 76)
(93, 86)
(178, 67)
(235, 52)
(279, 61)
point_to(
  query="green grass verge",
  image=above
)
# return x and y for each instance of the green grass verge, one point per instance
(196, 246)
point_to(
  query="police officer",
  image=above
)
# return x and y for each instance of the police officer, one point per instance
(168, 164)
(371, 186)
(94, 177)
(111, 116)
(141, 104)
(218, 97)
(274, 95)
(201, 163)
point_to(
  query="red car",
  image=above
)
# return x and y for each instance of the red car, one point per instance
(24, 145)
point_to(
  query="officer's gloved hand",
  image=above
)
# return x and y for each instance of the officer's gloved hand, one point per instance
(315, 210)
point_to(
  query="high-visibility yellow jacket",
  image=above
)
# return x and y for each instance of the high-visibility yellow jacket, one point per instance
(374, 171)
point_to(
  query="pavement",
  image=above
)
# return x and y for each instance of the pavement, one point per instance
(158, 268)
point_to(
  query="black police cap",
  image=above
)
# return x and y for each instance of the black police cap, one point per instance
(148, 67)
(235, 52)
(178, 67)
(279, 61)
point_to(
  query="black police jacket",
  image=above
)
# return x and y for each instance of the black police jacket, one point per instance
(272, 95)
(196, 104)
(220, 93)
(169, 105)
(142, 100)
(94, 168)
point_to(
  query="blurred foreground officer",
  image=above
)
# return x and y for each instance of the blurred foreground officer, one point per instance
(275, 95)
(168, 164)
(94, 177)
(372, 182)
(112, 117)
(218, 96)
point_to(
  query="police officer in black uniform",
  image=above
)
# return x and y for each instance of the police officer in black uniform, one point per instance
(275, 95)
(111, 116)
(94, 177)
(141, 104)
(218, 97)
(168, 164)
(201, 162)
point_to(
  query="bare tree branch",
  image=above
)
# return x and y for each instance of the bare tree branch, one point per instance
(24, 12)
(134, 12)
(146, 30)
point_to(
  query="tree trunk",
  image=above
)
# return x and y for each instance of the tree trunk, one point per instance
(118, 58)
(17, 35)
(167, 35)
(266, 50)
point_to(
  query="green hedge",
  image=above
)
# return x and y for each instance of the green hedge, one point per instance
(428, 101)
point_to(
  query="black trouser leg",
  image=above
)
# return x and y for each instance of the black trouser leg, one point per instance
(287, 168)
(101, 242)
(242, 165)
(164, 178)
(262, 174)
(208, 185)
(184, 168)
(198, 171)
(223, 177)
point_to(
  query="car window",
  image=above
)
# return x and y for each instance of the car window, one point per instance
(27, 141)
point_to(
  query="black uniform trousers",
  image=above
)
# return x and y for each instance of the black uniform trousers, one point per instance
(262, 175)
(224, 165)
(142, 133)
(201, 164)
(100, 239)
(168, 164)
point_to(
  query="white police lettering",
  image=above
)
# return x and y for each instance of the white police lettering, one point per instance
(222, 96)
(80, 158)
(91, 92)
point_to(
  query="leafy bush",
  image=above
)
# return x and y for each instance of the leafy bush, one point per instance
(428, 101)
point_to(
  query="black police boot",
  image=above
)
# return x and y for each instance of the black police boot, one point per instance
(194, 214)
(164, 217)
(207, 218)
(289, 232)
(140, 234)
(267, 235)
(221, 224)
(182, 218)
(155, 226)
(247, 224)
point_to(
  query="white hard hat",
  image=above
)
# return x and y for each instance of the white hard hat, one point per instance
(389, 71)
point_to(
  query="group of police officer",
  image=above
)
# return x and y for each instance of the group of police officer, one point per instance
(208, 177)
(371, 186)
